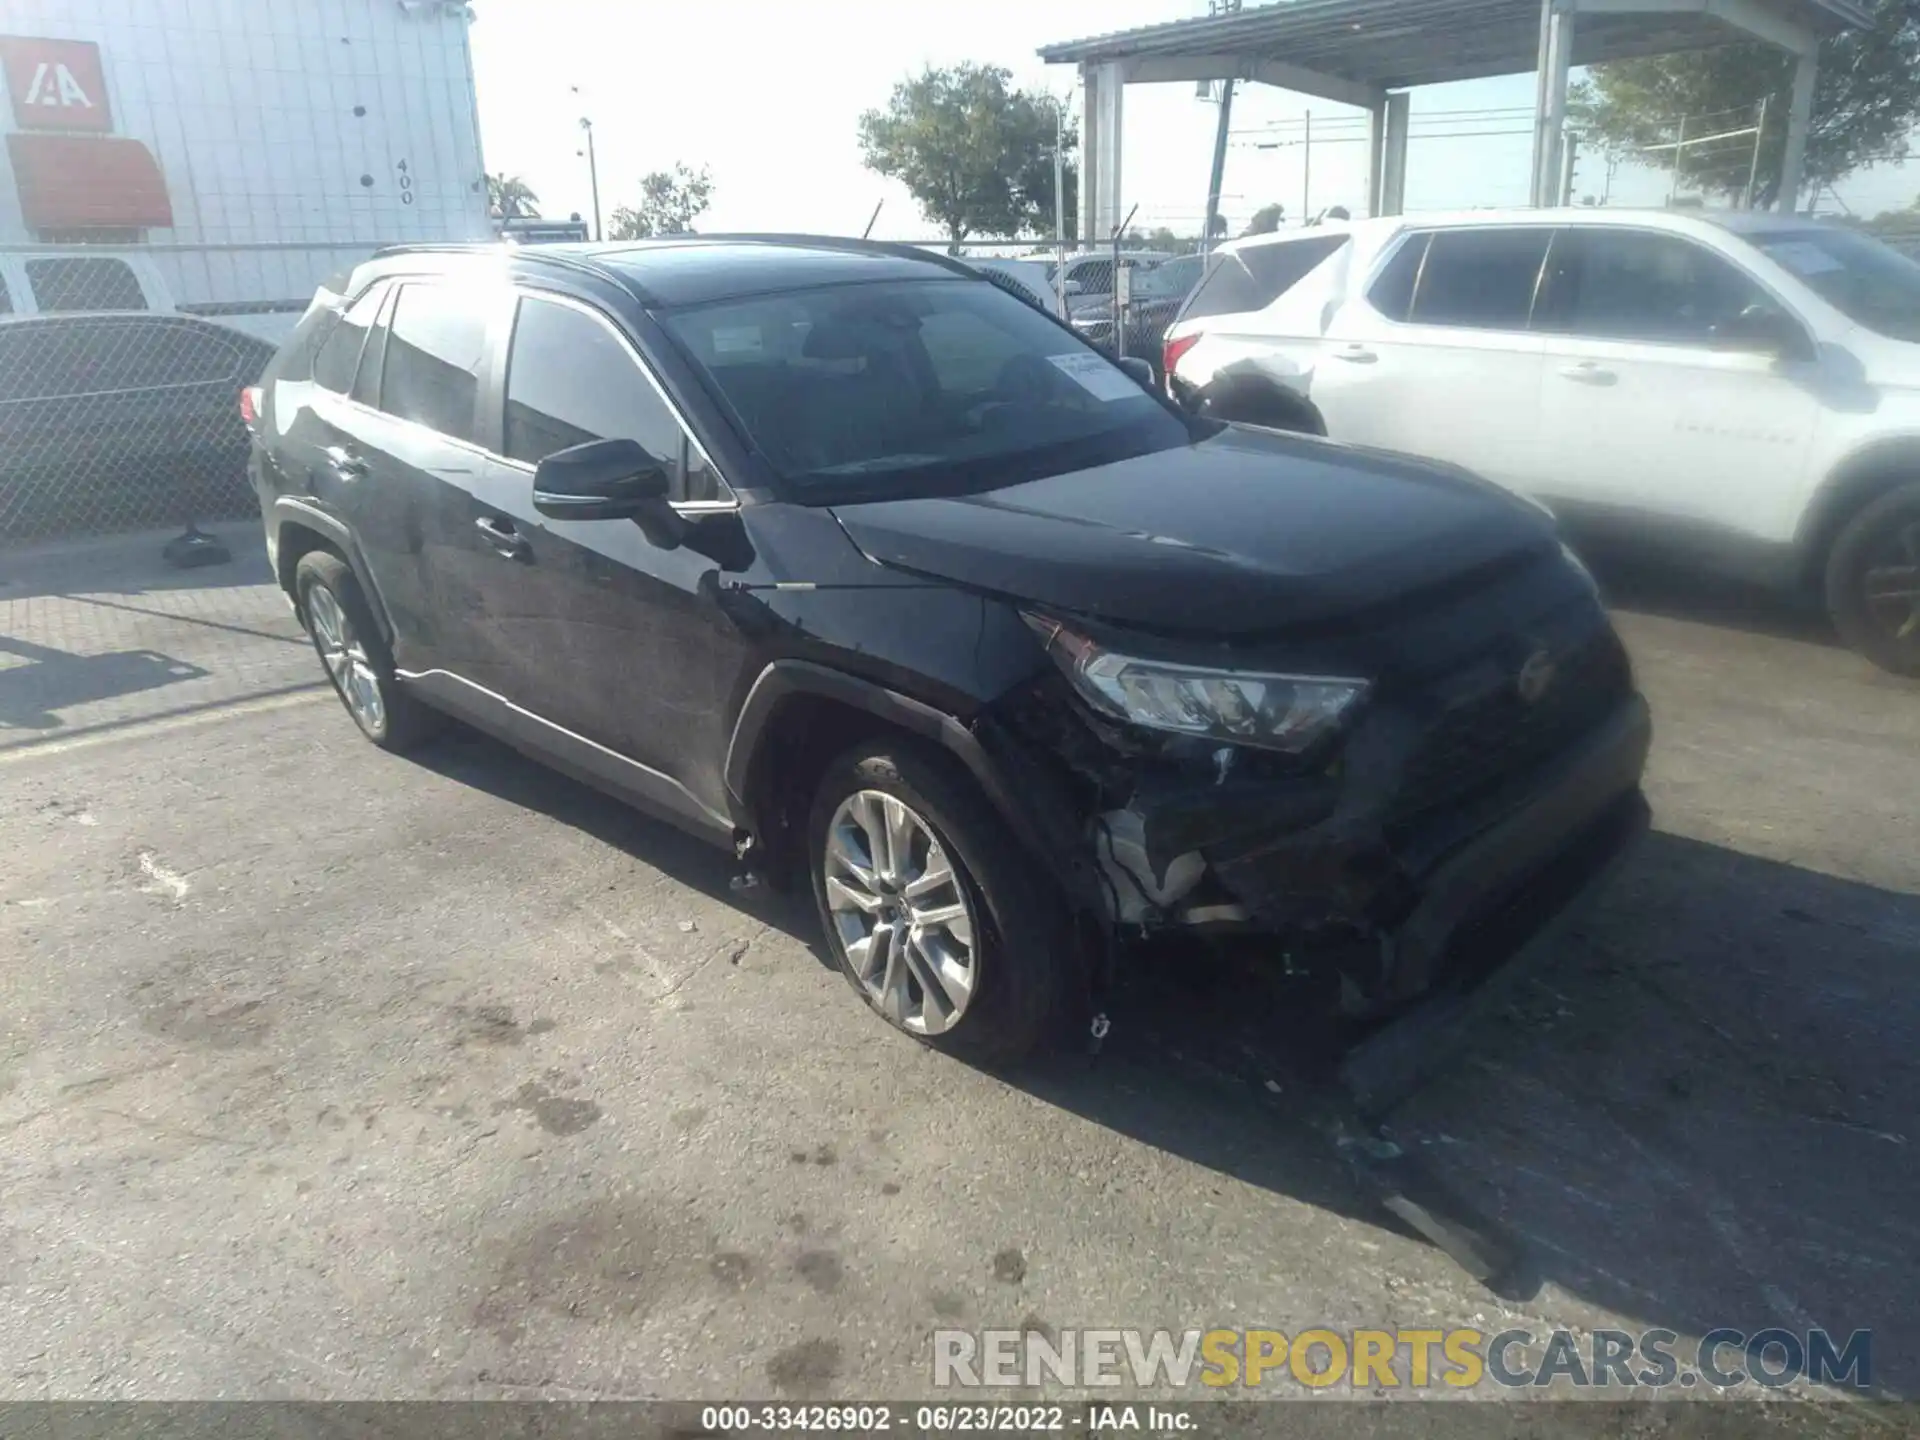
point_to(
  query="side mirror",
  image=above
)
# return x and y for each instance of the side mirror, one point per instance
(600, 480)
(1140, 369)
(1073, 287)
(1763, 330)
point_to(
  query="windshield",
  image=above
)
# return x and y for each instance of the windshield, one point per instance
(1870, 283)
(916, 388)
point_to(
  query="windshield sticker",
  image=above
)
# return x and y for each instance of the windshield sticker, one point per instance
(1097, 377)
(737, 340)
(1804, 258)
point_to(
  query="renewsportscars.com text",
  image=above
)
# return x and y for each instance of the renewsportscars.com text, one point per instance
(1367, 1360)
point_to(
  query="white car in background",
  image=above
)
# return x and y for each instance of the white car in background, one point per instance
(1742, 388)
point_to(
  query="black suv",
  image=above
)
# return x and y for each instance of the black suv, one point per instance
(843, 557)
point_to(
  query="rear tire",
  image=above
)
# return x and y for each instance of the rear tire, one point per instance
(1021, 964)
(348, 641)
(1873, 581)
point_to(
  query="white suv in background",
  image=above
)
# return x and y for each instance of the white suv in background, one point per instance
(1742, 388)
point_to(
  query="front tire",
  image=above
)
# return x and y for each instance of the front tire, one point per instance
(345, 637)
(1873, 581)
(933, 911)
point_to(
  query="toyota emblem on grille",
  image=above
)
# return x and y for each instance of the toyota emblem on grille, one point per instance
(1536, 677)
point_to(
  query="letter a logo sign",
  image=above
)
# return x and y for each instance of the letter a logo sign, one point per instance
(55, 84)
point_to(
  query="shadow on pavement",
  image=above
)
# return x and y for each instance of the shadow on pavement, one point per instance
(1704, 1112)
(130, 564)
(1652, 586)
(53, 680)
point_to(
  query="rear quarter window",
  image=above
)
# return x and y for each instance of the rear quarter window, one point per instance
(1238, 281)
(84, 282)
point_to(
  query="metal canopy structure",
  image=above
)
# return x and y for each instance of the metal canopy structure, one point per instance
(1367, 53)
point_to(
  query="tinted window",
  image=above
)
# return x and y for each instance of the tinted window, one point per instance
(1638, 285)
(6, 300)
(339, 357)
(1392, 290)
(99, 355)
(1481, 278)
(69, 282)
(1253, 277)
(571, 380)
(435, 344)
(1170, 281)
(917, 386)
(1869, 282)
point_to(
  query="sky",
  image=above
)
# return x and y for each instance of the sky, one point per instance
(767, 94)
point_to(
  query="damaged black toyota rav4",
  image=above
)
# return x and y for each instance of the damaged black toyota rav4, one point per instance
(850, 561)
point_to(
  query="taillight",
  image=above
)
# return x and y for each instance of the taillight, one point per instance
(1175, 349)
(250, 398)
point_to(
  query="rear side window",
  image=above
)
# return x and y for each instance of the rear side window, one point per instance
(6, 300)
(571, 380)
(81, 282)
(1254, 277)
(1481, 279)
(339, 357)
(105, 355)
(436, 343)
(1392, 290)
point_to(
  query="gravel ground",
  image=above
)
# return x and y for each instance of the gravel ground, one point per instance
(326, 1074)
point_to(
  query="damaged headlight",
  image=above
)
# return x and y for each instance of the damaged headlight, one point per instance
(1288, 713)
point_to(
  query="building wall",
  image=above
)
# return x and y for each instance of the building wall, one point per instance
(349, 123)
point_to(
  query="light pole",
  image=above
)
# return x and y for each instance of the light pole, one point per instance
(593, 167)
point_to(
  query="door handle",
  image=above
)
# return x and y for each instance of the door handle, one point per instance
(344, 463)
(501, 535)
(1356, 355)
(1588, 373)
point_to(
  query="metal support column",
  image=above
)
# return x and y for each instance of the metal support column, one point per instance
(1109, 191)
(1556, 60)
(1391, 196)
(1092, 144)
(1793, 167)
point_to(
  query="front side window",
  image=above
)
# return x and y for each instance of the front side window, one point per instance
(1869, 282)
(1481, 279)
(1641, 285)
(917, 387)
(570, 380)
(339, 356)
(436, 343)
(84, 282)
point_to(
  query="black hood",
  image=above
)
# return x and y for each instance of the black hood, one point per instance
(1242, 533)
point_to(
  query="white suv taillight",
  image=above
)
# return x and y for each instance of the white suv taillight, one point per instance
(1170, 357)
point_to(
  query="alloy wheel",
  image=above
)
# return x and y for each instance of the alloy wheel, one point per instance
(345, 655)
(1892, 582)
(901, 913)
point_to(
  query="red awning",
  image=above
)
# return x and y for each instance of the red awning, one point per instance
(69, 182)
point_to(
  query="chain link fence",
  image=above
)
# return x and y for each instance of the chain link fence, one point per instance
(113, 422)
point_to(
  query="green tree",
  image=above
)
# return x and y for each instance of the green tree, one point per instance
(1161, 237)
(670, 201)
(1865, 104)
(511, 198)
(975, 154)
(1265, 220)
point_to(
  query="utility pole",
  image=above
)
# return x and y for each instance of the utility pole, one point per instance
(593, 164)
(1219, 174)
(1753, 175)
(1679, 149)
(1306, 174)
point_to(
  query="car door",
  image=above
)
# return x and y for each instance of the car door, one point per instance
(1435, 357)
(611, 637)
(1649, 407)
(407, 473)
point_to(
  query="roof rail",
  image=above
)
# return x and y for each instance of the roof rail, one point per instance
(841, 242)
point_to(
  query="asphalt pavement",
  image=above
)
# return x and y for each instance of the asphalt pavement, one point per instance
(329, 1074)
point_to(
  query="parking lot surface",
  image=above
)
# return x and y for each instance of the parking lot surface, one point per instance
(330, 1074)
